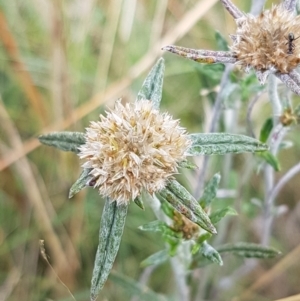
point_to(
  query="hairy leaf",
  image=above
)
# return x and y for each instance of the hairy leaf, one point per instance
(187, 164)
(216, 216)
(249, 250)
(139, 202)
(81, 182)
(66, 141)
(152, 86)
(210, 253)
(210, 191)
(156, 258)
(222, 143)
(200, 219)
(111, 230)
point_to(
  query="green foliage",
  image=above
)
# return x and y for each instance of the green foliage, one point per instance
(110, 234)
(153, 84)
(65, 141)
(221, 42)
(249, 250)
(217, 215)
(270, 159)
(223, 143)
(266, 130)
(210, 191)
(139, 202)
(208, 252)
(196, 216)
(134, 288)
(81, 182)
(156, 258)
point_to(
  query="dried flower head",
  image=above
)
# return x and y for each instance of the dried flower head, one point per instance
(269, 43)
(134, 147)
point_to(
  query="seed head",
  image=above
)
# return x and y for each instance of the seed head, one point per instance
(134, 147)
(269, 41)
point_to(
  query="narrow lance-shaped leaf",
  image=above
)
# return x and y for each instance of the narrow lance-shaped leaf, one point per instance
(203, 222)
(66, 141)
(159, 226)
(187, 164)
(202, 238)
(249, 250)
(222, 143)
(153, 84)
(156, 258)
(216, 216)
(139, 202)
(210, 253)
(111, 230)
(135, 288)
(266, 130)
(190, 202)
(270, 159)
(155, 226)
(83, 181)
(210, 191)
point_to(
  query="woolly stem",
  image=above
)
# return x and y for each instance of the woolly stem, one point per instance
(232, 9)
(179, 261)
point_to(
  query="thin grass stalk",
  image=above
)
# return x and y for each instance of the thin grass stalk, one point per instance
(107, 45)
(61, 262)
(158, 21)
(34, 96)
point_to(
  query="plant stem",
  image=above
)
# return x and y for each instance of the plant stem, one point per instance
(277, 135)
(180, 261)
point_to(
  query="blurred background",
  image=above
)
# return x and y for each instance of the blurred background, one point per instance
(62, 62)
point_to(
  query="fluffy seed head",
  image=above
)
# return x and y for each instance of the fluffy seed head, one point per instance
(266, 42)
(134, 147)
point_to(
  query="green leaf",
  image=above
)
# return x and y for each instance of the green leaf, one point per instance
(140, 291)
(216, 216)
(249, 250)
(156, 258)
(223, 143)
(159, 226)
(221, 42)
(81, 182)
(187, 164)
(167, 209)
(139, 202)
(210, 253)
(200, 219)
(110, 234)
(187, 199)
(210, 191)
(152, 86)
(66, 141)
(203, 237)
(266, 130)
(270, 159)
(154, 226)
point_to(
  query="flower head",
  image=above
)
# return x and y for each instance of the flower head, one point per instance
(268, 43)
(134, 147)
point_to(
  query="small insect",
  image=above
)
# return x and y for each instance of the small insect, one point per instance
(291, 46)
